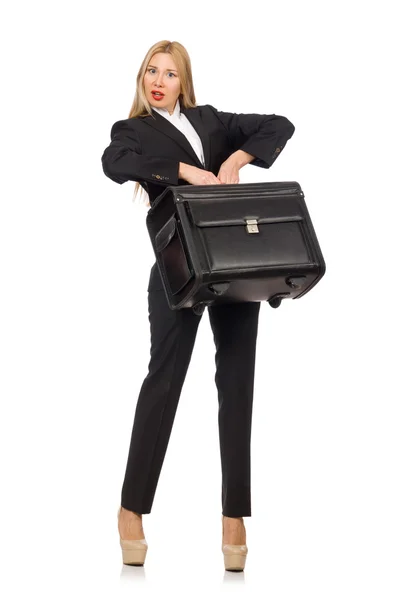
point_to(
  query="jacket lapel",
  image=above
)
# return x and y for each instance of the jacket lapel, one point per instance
(192, 114)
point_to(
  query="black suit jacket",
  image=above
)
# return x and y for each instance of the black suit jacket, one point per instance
(149, 149)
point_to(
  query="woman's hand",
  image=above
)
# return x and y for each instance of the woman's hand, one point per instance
(229, 171)
(197, 176)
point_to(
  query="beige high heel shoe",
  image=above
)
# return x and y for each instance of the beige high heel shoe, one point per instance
(234, 555)
(134, 551)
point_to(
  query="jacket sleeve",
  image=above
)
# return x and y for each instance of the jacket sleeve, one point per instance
(123, 160)
(263, 136)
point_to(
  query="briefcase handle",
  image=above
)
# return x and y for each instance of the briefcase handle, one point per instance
(165, 235)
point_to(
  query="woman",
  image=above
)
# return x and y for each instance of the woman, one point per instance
(168, 140)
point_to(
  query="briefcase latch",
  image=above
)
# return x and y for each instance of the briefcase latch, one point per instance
(252, 225)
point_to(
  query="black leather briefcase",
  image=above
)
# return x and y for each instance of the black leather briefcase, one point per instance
(226, 243)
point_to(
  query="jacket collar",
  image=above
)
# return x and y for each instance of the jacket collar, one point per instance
(165, 126)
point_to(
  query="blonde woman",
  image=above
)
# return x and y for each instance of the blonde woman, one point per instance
(168, 140)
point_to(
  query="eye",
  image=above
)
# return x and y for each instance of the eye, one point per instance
(153, 69)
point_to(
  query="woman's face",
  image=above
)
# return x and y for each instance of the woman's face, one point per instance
(162, 76)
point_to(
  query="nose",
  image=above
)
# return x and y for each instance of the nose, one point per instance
(158, 81)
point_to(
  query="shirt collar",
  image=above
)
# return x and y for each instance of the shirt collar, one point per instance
(164, 112)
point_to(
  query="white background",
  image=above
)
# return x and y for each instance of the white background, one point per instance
(75, 261)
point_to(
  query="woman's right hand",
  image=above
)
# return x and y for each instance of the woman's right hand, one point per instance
(197, 176)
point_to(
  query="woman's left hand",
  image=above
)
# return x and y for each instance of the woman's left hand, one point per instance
(229, 171)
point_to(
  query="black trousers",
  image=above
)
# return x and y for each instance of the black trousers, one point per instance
(173, 334)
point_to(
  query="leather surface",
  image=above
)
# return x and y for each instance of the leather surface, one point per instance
(282, 259)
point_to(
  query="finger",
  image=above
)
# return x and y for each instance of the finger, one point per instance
(215, 179)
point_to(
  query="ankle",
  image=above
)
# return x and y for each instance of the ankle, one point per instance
(130, 513)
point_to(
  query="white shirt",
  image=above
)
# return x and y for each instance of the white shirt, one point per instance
(183, 124)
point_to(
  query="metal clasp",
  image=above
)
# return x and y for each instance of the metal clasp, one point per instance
(251, 226)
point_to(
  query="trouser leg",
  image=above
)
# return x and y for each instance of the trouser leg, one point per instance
(235, 329)
(173, 334)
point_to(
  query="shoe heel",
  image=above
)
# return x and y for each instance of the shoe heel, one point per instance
(134, 551)
(234, 556)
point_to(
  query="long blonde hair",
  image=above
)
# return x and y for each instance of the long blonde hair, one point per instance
(187, 98)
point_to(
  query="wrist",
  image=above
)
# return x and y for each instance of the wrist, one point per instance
(182, 170)
(243, 158)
